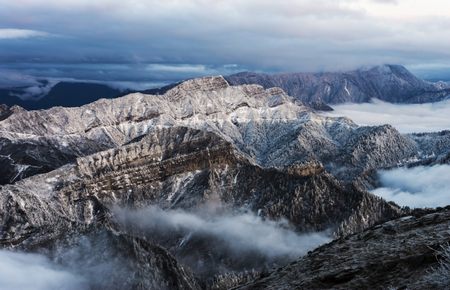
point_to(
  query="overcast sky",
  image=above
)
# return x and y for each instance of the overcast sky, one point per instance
(158, 40)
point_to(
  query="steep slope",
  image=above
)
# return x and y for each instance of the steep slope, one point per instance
(391, 83)
(181, 168)
(399, 254)
(268, 125)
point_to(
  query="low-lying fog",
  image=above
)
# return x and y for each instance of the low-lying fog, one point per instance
(210, 241)
(35, 271)
(407, 118)
(416, 187)
(241, 232)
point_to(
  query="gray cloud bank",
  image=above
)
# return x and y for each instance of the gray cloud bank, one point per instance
(149, 43)
(416, 187)
(294, 35)
(411, 118)
(211, 234)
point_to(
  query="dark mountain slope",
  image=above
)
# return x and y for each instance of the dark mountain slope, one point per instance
(68, 94)
(64, 94)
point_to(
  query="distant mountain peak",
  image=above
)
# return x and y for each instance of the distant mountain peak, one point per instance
(389, 82)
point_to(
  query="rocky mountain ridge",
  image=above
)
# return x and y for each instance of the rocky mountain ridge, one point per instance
(268, 125)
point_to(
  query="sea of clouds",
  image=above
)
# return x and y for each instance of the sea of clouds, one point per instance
(407, 118)
(422, 186)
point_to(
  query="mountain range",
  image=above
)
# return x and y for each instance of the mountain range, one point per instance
(139, 183)
(390, 83)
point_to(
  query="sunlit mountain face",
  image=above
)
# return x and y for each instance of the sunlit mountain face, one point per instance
(224, 144)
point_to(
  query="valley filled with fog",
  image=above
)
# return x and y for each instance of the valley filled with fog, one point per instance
(416, 187)
(407, 118)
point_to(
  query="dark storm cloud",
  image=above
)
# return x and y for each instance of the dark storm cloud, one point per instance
(264, 35)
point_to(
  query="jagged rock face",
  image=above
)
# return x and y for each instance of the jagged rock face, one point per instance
(391, 83)
(181, 167)
(209, 167)
(267, 125)
(6, 111)
(400, 254)
(370, 148)
(29, 156)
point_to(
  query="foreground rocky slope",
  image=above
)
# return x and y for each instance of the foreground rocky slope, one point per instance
(390, 83)
(399, 254)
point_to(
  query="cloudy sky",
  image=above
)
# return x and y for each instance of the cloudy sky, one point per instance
(155, 41)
